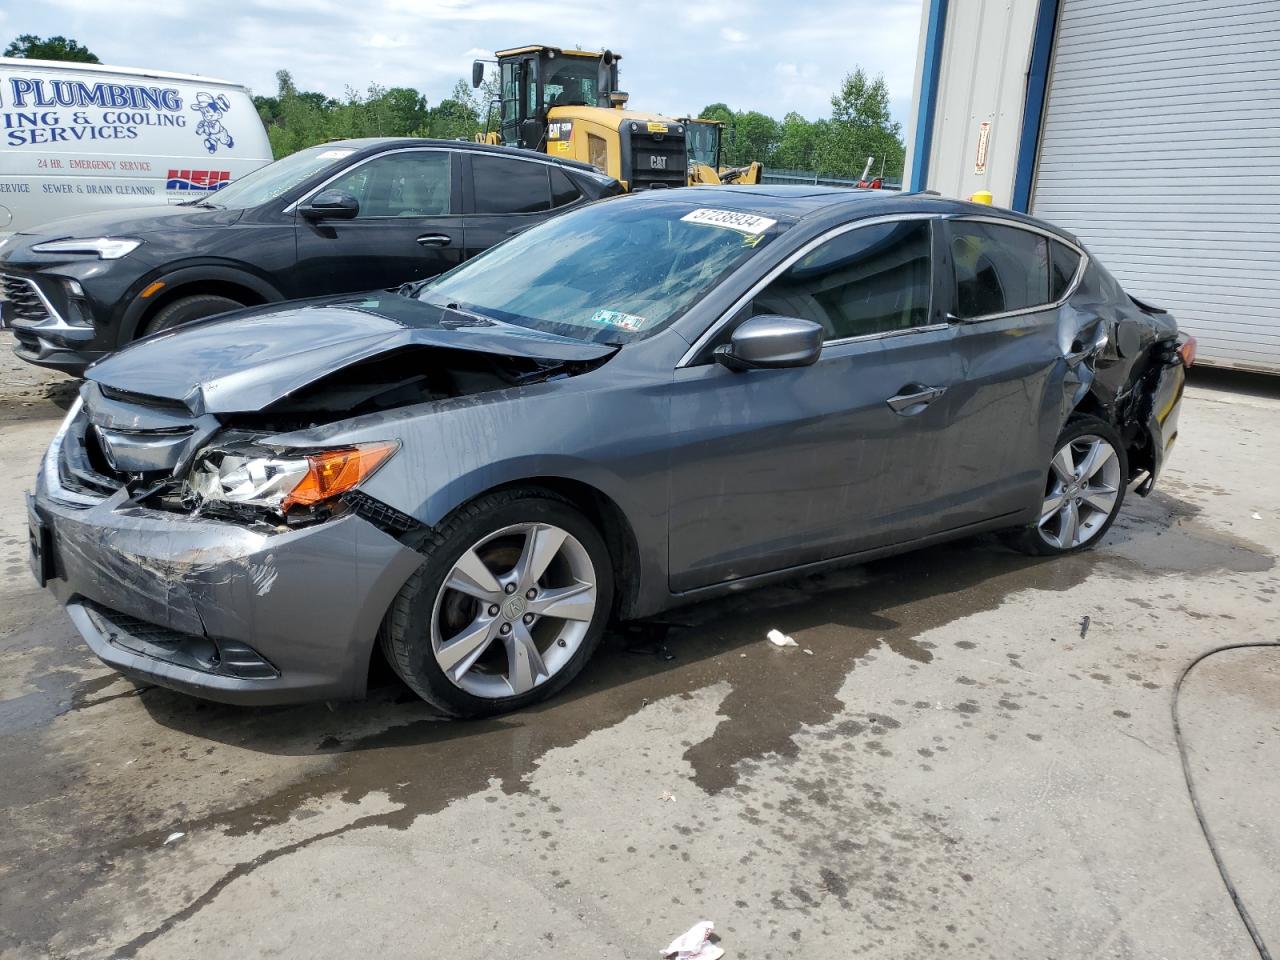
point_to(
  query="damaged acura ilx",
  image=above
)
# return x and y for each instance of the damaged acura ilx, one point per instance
(638, 404)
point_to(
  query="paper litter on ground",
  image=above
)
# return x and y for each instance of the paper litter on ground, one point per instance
(695, 944)
(780, 639)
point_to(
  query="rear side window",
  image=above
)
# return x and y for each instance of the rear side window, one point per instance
(504, 185)
(870, 280)
(1064, 262)
(563, 190)
(998, 269)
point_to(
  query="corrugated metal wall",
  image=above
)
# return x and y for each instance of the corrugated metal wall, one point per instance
(987, 48)
(1160, 148)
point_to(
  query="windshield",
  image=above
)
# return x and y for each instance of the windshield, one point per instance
(612, 272)
(570, 81)
(703, 140)
(267, 183)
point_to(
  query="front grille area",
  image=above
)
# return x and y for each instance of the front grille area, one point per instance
(22, 301)
(222, 657)
(657, 160)
(82, 467)
(165, 404)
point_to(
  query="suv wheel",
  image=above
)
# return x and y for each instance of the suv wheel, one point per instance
(185, 309)
(509, 605)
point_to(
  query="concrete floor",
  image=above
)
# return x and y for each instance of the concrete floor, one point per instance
(948, 764)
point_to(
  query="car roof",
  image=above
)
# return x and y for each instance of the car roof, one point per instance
(374, 144)
(818, 202)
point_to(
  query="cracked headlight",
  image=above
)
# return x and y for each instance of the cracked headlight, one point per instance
(281, 482)
(106, 248)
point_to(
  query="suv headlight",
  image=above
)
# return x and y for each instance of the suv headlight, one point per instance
(107, 248)
(278, 482)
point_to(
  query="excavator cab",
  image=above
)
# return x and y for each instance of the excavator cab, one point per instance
(566, 103)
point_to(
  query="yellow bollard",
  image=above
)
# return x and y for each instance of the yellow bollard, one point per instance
(982, 196)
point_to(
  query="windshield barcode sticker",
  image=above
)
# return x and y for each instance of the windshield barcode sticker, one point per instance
(747, 223)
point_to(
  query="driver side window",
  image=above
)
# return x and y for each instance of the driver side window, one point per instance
(414, 183)
(874, 279)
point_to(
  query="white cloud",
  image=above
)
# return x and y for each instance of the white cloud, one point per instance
(770, 57)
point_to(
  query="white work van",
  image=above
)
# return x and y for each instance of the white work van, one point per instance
(79, 138)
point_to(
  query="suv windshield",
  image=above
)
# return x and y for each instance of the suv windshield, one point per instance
(267, 183)
(612, 272)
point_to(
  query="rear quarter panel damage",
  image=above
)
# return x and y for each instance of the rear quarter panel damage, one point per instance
(1133, 380)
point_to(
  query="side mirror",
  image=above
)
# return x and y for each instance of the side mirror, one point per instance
(769, 342)
(330, 205)
(477, 73)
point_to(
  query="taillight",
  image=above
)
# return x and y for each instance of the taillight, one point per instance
(1187, 352)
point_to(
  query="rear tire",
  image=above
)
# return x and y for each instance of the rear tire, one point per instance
(185, 309)
(1084, 490)
(507, 608)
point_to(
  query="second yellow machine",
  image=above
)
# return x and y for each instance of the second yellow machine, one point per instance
(567, 103)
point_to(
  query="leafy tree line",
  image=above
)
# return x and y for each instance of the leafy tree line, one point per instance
(53, 48)
(860, 125)
(298, 118)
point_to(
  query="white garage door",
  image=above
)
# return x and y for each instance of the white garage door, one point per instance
(1161, 150)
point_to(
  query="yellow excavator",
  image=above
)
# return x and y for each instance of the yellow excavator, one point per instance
(566, 103)
(704, 138)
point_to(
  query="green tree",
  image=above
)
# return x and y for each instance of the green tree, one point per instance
(754, 136)
(798, 140)
(861, 127)
(53, 48)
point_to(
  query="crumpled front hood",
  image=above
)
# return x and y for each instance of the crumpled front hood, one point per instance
(243, 361)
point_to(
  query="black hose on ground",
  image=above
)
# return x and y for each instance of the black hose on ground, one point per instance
(1241, 909)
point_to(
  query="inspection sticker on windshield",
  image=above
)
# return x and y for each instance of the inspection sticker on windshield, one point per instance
(335, 154)
(618, 319)
(747, 223)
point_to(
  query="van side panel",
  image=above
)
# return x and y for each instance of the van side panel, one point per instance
(78, 139)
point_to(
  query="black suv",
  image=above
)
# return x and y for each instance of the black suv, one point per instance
(341, 217)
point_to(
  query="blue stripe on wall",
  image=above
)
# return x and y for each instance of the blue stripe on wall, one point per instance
(930, 71)
(1033, 109)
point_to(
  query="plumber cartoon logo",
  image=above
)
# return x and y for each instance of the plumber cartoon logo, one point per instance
(212, 109)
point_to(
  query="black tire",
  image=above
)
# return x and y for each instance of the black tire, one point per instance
(1031, 539)
(406, 632)
(185, 309)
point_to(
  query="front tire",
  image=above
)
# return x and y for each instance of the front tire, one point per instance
(1084, 490)
(507, 608)
(185, 309)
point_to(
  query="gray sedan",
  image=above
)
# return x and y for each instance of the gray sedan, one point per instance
(645, 402)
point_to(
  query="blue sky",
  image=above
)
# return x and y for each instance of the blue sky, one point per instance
(677, 57)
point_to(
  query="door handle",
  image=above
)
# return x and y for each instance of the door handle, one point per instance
(913, 398)
(435, 240)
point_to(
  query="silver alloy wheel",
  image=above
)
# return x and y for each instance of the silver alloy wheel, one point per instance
(1084, 484)
(514, 610)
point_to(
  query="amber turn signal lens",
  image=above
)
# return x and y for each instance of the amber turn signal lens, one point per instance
(334, 472)
(1187, 351)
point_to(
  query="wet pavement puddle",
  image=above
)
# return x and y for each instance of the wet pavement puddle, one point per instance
(389, 744)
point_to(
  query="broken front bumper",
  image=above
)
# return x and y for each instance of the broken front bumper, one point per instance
(214, 608)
